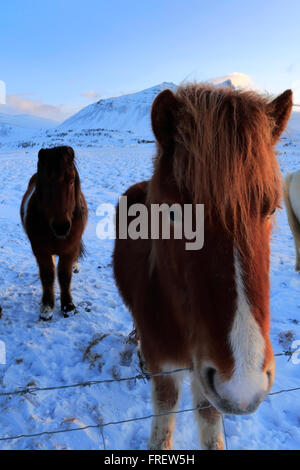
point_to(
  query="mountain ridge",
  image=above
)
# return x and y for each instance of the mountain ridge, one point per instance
(131, 112)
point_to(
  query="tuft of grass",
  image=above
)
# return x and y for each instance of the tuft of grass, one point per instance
(285, 338)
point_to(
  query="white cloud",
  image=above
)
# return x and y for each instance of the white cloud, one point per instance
(24, 104)
(91, 94)
(235, 79)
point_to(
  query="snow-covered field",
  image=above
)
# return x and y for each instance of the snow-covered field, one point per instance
(92, 345)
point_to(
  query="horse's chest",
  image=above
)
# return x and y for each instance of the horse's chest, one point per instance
(26, 202)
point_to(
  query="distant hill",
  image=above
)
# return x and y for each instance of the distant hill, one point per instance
(27, 121)
(125, 118)
(19, 126)
(132, 112)
(123, 113)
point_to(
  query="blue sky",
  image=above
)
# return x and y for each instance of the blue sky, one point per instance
(57, 56)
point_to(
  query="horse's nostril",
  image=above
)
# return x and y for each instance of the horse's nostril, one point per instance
(210, 376)
(61, 229)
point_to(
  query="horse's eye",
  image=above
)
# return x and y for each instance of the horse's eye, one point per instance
(72, 181)
(175, 214)
(271, 213)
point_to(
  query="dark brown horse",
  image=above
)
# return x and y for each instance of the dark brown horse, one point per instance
(54, 214)
(207, 309)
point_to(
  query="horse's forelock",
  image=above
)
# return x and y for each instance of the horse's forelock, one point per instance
(224, 156)
(56, 159)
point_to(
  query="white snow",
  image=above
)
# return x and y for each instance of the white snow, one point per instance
(18, 128)
(92, 345)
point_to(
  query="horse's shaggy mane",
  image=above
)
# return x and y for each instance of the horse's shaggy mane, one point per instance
(224, 156)
(58, 159)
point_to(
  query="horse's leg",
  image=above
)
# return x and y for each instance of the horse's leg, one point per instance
(47, 275)
(296, 234)
(76, 267)
(209, 421)
(165, 398)
(297, 248)
(64, 268)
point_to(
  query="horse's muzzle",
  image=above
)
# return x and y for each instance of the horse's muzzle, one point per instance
(61, 229)
(236, 403)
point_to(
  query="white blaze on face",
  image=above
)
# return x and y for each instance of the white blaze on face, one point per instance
(25, 205)
(248, 349)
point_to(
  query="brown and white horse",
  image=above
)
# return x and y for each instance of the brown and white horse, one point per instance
(207, 309)
(54, 214)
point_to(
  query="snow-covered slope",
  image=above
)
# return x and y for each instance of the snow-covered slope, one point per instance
(26, 121)
(294, 123)
(124, 113)
(17, 127)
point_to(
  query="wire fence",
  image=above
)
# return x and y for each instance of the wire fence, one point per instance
(88, 383)
(101, 425)
(140, 376)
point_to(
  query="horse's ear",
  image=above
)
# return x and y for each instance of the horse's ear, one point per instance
(71, 152)
(42, 154)
(78, 208)
(163, 117)
(279, 110)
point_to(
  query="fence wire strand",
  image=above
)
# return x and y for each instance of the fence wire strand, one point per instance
(101, 425)
(141, 376)
(88, 383)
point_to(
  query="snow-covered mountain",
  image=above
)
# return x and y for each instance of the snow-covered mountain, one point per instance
(124, 113)
(20, 126)
(132, 112)
(27, 121)
(123, 120)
